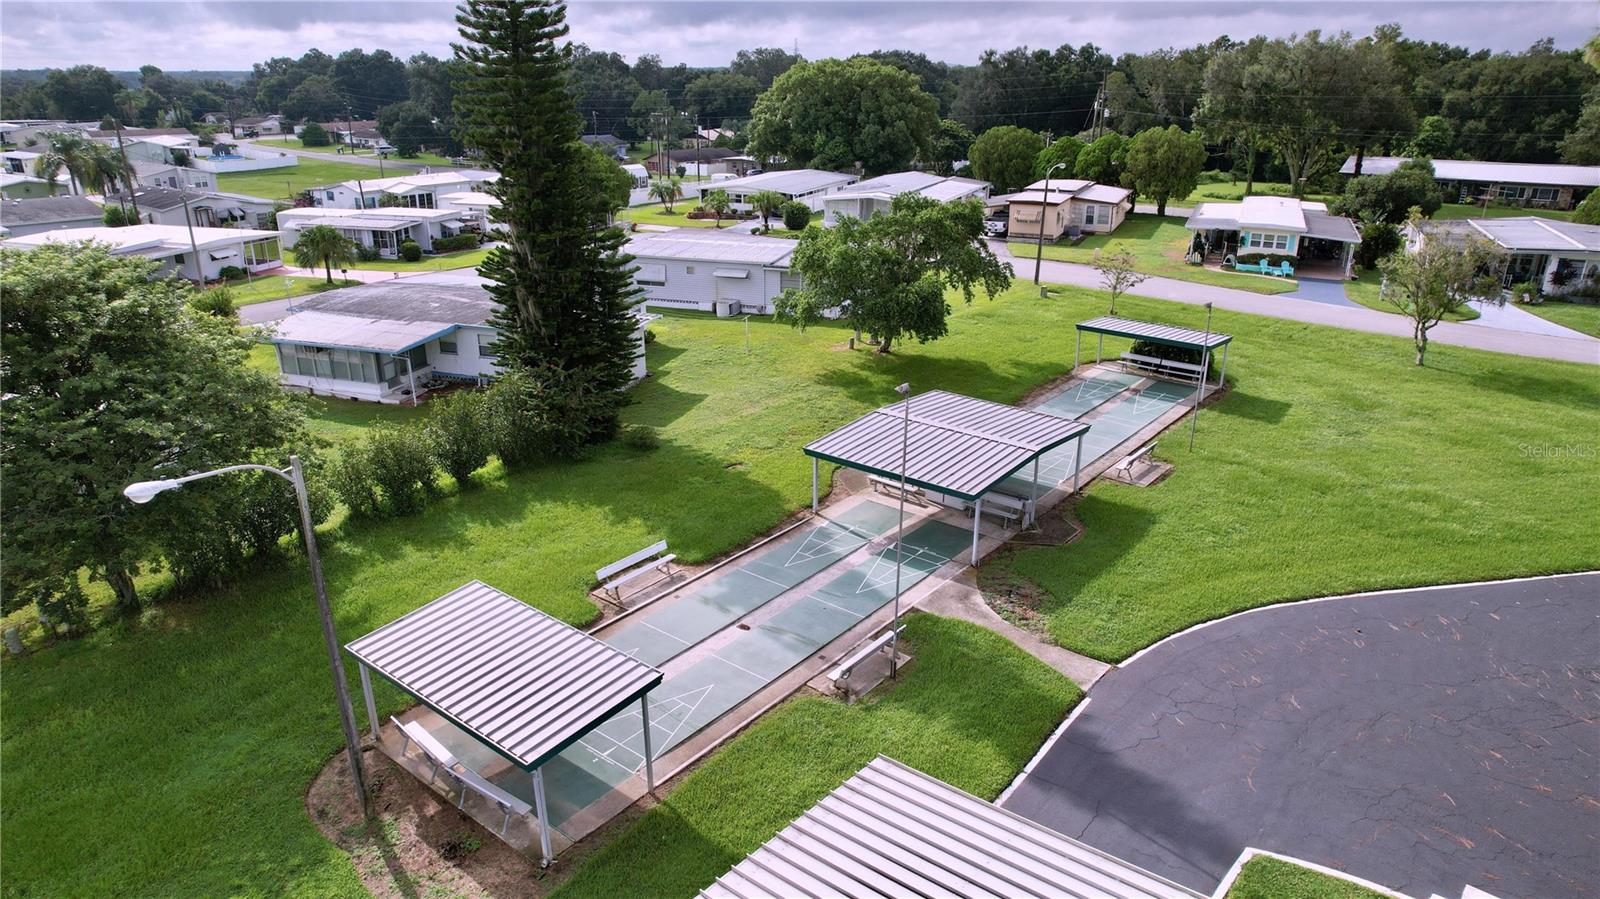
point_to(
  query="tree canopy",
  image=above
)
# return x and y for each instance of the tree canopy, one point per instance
(835, 113)
(1004, 156)
(1391, 197)
(1162, 163)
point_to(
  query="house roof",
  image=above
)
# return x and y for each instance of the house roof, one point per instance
(405, 301)
(891, 830)
(470, 199)
(938, 187)
(382, 217)
(792, 182)
(513, 677)
(257, 120)
(9, 178)
(49, 210)
(1155, 332)
(146, 240)
(1523, 233)
(701, 154)
(1282, 214)
(1062, 189)
(170, 141)
(1533, 173)
(602, 140)
(956, 444)
(350, 332)
(403, 183)
(165, 198)
(703, 245)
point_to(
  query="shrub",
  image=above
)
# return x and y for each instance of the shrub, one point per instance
(796, 215)
(230, 273)
(217, 301)
(410, 251)
(1378, 239)
(516, 431)
(350, 477)
(1215, 176)
(402, 467)
(1271, 258)
(114, 217)
(314, 135)
(640, 437)
(365, 253)
(469, 240)
(649, 336)
(458, 436)
(1172, 353)
(1525, 293)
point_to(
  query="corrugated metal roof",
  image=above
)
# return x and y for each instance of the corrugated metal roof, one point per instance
(1323, 226)
(1534, 233)
(520, 681)
(348, 332)
(1157, 333)
(956, 444)
(711, 245)
(892, 831)
(791, 182)
(1534, 173)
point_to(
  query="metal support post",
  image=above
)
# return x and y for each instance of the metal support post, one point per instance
(977, 518)
(813, 485)
(547, 856)
(649, 764)
(366, 692)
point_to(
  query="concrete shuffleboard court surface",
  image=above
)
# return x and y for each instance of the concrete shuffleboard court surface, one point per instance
(1424, 739)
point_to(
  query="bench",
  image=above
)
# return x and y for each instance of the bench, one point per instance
(840, 675)
(891, 486)
(630, 568)
(436, 753)
(507, 803)
(1003, 506)
(1124, 468)
(1187, 371)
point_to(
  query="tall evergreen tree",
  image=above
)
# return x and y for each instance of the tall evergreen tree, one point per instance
(562, 280)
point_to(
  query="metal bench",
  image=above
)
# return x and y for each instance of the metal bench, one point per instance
(840, 675)
(1187, 371)
(630, 568)
(432, 749)
(891, 486)
(1001, 505)
(1124, 468)
(508, 804)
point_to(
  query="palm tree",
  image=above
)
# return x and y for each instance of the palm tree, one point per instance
(766, 202)
(111, 171)
(668, 190)
(323, 245)
(70, 151)
(717, 201)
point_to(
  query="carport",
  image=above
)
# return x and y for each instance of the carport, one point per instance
(955, 446)
(1167, 335)
(509, 676)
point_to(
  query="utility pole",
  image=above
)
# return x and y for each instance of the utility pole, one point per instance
(199, 273)
(127, 167)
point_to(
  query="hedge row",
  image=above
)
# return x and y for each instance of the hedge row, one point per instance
(467, 241)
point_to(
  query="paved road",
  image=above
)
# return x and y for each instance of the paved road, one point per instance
(1521, 343)
(390, 166)
(1424, 740)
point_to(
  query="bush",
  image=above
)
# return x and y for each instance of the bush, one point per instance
(230, 273)
(1271, 258)
(1378, 239)
(1215, 176)
(114, 217)
(458, 437)
(796, 215)
(365, 253)
(1525, 293)
(402, 467)
(410, 251)
(217, 301)
(649, 336)
(467, 241)
(1172, 353)
(515, 429)
(1588, 211)
(314, 135)
(351, 479)
(640, 437)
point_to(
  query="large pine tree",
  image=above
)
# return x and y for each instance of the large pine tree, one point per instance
(562, 281)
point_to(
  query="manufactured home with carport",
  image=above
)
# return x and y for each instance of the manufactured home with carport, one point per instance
(712, 270)
(1553, 255)
(383, 229)
(174, 246)
(809, 186)
(1536, 185)
(1322, 244)
(868, 198)
(1059, 205)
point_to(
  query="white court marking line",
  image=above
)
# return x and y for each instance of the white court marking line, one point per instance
(664, 633)
(809, 550)
(682, 709)
(758, 677)
(867, 582)
(817, 598)
(769, 580)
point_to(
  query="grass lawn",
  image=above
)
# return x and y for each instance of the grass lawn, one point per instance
(293, 143)
(1158, 245)
(1584, 317)
(654, 214)
(338, 421)
(175, 750)
(441, 262)
(1473, 211)
(1234, 191)
(1366, 289)
(971, 711)
(265, 288)
(284, 184)
(1264, 877)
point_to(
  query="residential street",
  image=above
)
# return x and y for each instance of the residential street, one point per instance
(1424, 739)
(1475, 336)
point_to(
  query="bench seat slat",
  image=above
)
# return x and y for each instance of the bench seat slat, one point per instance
(479, 783)
(652, 565)
(630, 560)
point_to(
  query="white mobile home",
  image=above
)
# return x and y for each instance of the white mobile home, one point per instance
(1553, 255)
(175, 246)
(1321, 243)
(384, 228)
(865, 199)
(1059, 206)
(418, 191)
(23, 217)
(207, 209)
(809, 186)
(1528, 184)
(712, 270)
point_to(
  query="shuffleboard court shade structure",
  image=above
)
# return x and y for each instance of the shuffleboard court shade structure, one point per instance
(1170, 335)
(958, 445)
(513, 678)
(892, 831)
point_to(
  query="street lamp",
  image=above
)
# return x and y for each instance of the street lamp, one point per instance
(145, 491)
(900, 533)
(1205, 372)
(1038, 256)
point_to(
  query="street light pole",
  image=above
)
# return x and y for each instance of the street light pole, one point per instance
(1038, 255)
(900, 532)
(1200, 391)
(144, 491)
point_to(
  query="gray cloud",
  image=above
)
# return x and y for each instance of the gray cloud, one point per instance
(231, 35)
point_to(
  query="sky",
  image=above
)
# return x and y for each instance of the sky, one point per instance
(231, 34)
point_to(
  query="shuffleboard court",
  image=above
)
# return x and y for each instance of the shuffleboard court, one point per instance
(1087, 393)
(676, 623)
(691, 699)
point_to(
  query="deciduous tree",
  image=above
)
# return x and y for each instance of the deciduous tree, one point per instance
(1004, 156)
(1162, 163)
(833, 114)
(1117, 273)
(1440, 278)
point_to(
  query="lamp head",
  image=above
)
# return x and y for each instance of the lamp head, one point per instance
(903, 389)
(145, 491)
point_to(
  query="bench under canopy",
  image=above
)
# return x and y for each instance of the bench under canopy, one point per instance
(1203, 342)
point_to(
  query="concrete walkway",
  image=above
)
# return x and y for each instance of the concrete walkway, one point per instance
(960, 598)
(1480, 337)
(1512, 318)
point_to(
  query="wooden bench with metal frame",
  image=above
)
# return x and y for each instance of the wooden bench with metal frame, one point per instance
(632, 567)
(840, 675)
(1124, 469)
(1187, 371)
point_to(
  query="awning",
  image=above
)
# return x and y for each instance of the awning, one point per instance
(218, 255)
(353, 332)
(956, 444)
(730, 273)
(514, 678)
(1170, 335)
(893, 831)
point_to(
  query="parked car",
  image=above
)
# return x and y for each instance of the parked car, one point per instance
(996, 225)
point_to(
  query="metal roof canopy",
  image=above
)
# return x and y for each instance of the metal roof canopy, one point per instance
(1170, 335)
(957, 444)
(893, 831)
(517, 680)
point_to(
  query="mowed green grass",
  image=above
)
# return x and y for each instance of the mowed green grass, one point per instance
(286, 183)
(441, 262)
(265, 288)
(971, 710)
(1158, 245)
(341, 421)
(1581, 317)
(1477, 211)
(1367, 290)
(1264, 877)
(656, 214)
(170, 755)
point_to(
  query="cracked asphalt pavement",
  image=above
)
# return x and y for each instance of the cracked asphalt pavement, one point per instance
(1425, 740)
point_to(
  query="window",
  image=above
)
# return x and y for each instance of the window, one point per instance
(328, 195)
(384, 242)
(261, 252)
(1268, 242)
(1511, 191)
(1544, 193)
(484, 342)
(651, 274)
(447, 347)
(419, 201)
(1094, 214)
(688, 269)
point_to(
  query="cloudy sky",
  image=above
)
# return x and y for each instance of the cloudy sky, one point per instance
(233, 33)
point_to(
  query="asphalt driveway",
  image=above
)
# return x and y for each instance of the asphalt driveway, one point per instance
(1424, 740)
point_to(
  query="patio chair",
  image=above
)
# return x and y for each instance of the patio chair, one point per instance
(1286, 270)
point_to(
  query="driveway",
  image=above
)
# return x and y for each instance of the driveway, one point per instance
(1511, 318)
(1423, 739)
(1317, 290)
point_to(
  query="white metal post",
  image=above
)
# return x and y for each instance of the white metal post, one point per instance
(544, 819)
(977, 517)
(1205, 365)
(813, 485)
(1077, 463)
(649, 766)
(1099, 346)
(1077, 351)
(1222, 376)
(1033, 493)
(900, 531)
(366, 691)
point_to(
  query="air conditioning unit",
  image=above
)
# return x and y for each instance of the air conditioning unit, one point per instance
(728, 308)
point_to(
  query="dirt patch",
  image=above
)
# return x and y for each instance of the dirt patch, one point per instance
(1016, 598)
